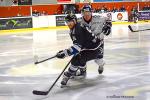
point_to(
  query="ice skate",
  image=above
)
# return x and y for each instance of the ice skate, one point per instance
(65, 79)
(101, 68)
(80, 74)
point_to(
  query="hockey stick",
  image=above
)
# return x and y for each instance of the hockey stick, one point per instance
(37, 62)
(129, 26)
(36, 92)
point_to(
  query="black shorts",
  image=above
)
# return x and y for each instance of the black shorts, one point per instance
(84, 56)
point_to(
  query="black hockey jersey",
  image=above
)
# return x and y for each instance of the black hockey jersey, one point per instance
(83, 39)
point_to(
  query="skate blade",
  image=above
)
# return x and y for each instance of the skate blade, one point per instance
(78, 77)
(63, 86)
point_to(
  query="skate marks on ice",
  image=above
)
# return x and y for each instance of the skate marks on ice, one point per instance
(76, 90)
(120, 86)
(20, 88)
(98, 87)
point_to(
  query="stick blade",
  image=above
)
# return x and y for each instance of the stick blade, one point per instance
(40, 92)
(131, 29)
(36, 63)
(129, 26)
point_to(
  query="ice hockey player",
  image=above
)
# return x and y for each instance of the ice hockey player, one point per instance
(85, 47)
(99, 26)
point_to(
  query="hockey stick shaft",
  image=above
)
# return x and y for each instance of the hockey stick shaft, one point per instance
(45, 60)
(46, 92)
(141, 30)
(60, 75)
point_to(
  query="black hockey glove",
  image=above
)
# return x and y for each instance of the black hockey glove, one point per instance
(62, 54)
(107, 28)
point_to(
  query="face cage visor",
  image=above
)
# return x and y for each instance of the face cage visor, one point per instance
(67, 21)
(86, 13)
